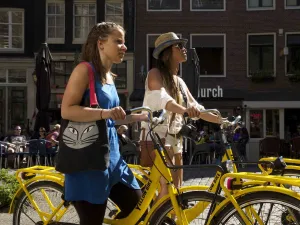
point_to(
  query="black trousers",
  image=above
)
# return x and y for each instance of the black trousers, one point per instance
(124, 197)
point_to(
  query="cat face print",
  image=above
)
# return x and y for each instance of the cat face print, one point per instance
(80, 135)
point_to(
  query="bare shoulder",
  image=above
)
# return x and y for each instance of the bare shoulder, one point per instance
(154, 79)
(80, 73)
(77, 85)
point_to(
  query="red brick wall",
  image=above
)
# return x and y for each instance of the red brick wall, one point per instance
(236, 22)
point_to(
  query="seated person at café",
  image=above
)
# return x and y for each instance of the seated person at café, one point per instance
(13, 141)
(124, 139)
(52, 138)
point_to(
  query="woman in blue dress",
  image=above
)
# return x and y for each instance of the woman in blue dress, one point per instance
(89, 190)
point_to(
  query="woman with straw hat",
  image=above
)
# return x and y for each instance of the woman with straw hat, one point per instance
(165, 90)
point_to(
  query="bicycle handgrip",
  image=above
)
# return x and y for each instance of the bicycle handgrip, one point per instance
(128, 112)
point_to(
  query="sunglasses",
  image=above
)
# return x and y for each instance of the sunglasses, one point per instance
(17, 129)
(180, 45)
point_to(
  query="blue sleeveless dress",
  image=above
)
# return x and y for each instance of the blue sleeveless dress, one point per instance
(95, 186)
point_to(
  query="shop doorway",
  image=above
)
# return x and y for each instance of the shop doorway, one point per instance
(291, 121)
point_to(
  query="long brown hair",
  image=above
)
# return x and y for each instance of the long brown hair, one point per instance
(163, 63)
(90, 52)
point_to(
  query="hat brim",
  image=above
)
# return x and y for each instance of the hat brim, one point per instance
(166, 44)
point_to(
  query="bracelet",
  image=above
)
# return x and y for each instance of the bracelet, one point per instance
(101, 114)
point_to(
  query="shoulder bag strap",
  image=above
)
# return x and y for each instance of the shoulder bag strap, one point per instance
(182, 92)
(93, 96)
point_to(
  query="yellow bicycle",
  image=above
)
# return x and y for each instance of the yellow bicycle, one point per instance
(182, 206)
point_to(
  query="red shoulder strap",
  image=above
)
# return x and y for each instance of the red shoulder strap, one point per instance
(93, 96)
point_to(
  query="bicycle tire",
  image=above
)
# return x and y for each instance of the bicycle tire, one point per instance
(255, 198)
(23, 197)
(161, 213)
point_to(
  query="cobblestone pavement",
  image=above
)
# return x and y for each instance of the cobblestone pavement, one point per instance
(193, 176)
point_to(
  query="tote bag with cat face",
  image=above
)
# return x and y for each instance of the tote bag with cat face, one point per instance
(83, 146)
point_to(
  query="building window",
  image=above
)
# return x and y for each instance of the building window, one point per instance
(84, 20)
(11, 30)
(114, 12)
(121, 71)
(55, 21)
(211, 51)
(292, 4)
(61, 72)
(293, 58)
(260, 4)
(13, 76)
(261, 54)
(209, 5)
(256, 124)
(151, 61)
(163, 5)
(272, 122)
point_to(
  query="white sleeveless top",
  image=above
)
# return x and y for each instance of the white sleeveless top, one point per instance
(157, 100)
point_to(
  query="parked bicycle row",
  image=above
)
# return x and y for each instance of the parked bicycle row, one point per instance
(271, 197)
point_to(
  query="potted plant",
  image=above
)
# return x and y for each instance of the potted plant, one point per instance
(262, 75)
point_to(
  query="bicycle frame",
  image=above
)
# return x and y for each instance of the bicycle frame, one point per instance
(291, 164)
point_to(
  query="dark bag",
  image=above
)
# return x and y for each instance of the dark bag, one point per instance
(83, 145)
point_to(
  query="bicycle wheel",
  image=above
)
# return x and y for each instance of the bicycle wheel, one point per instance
(164, 215)
(272, 208)
(47, 195)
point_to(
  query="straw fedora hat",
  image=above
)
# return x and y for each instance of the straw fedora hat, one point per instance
(165, 40)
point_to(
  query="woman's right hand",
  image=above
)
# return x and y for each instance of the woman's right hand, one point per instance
(193, 112)
(117, 113)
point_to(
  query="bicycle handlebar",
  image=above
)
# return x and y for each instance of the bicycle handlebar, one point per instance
(153, 118)
(156, 120)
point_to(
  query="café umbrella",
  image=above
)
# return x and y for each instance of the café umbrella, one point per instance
(43, 71)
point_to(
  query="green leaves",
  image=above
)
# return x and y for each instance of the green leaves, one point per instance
(8, 187)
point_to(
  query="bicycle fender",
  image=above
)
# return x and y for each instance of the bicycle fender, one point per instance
(193, 188)
(15, 199)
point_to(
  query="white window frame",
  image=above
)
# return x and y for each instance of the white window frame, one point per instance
(260, 8)
(224, 51)
(208, 10)
(81, 40)
(16, 50)
(164, 10)
(122, 4)
(285, 44)
(261, 34)
(55, 40)
(147, 50)
(13, 84)
(290, 7)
